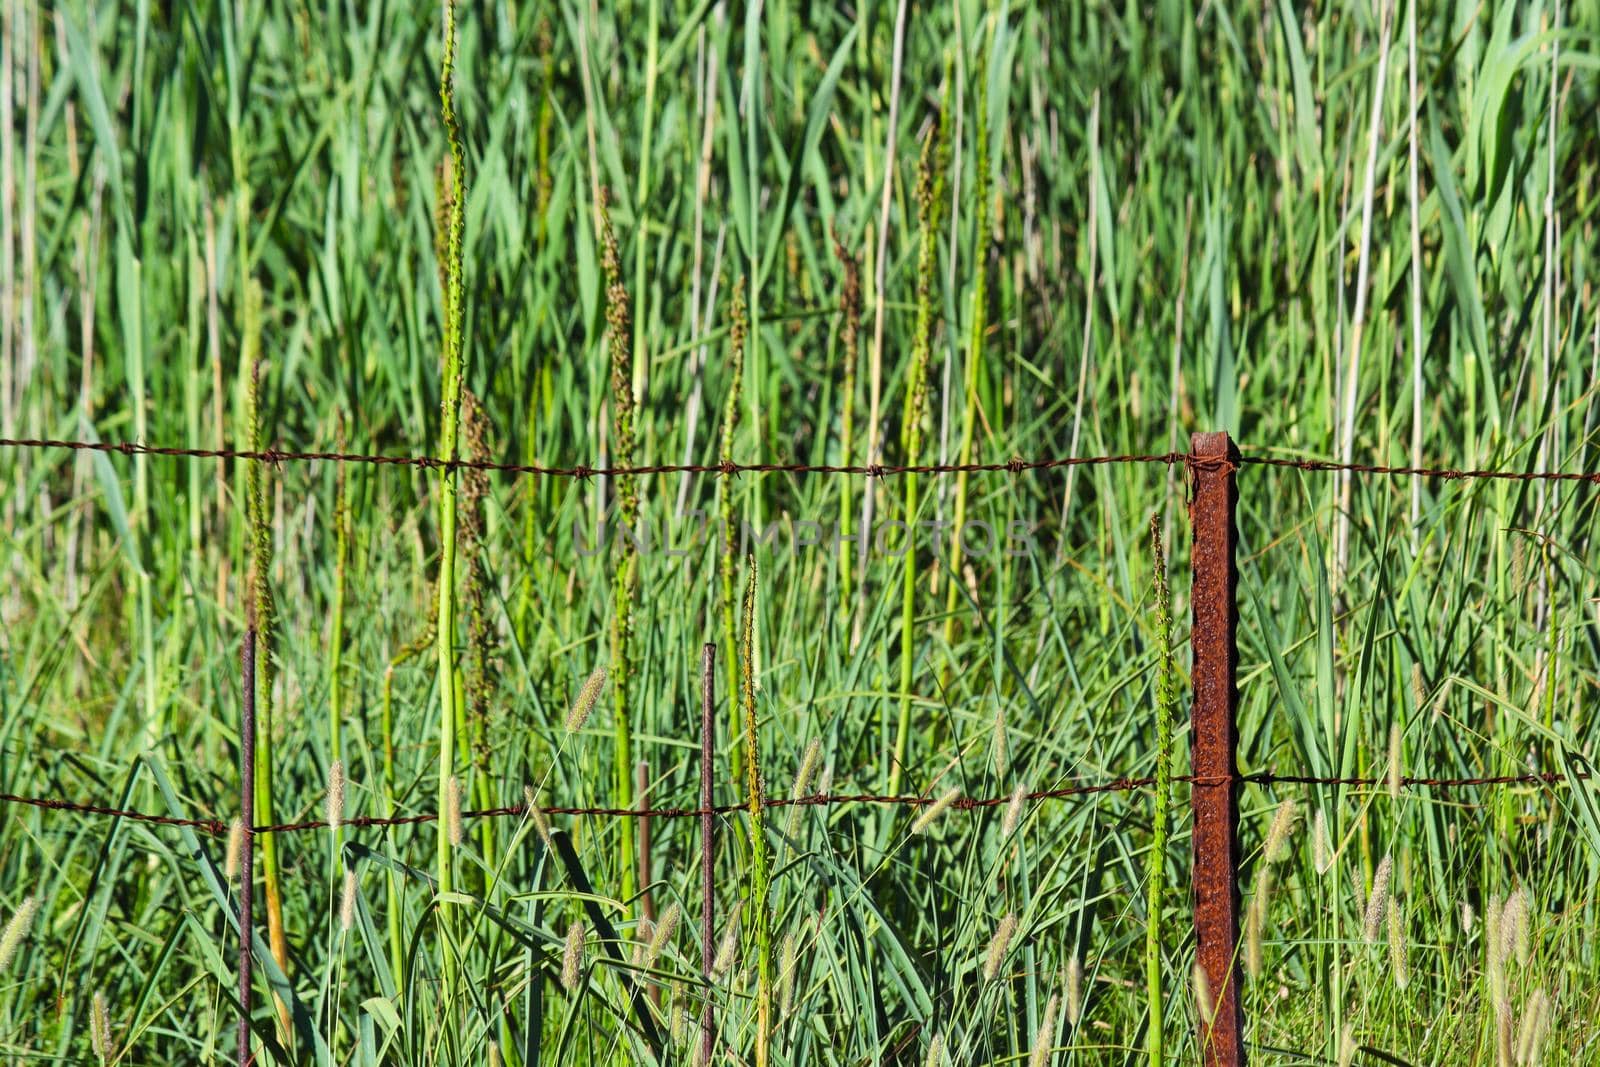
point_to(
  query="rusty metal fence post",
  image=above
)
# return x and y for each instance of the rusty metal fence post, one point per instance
(1214, 740)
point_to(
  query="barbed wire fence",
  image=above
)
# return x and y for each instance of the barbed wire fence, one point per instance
(1213, 463)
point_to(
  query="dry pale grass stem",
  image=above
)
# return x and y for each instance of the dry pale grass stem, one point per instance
(453, 811)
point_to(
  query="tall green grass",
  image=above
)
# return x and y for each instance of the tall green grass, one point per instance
(1153, 222)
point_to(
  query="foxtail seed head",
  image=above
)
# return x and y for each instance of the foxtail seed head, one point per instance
(235, 848)
(728, 947)
(347, 901)
(665, 929)
(16, 931)
(1044, 1040)
(588, 696)
(931, 812)
(997, 946)
(1202, 996)
(1321, 844)
(1378, 901)
(335, 794)
(1074, 990)
(100, 1029)
(1277, 846)
(1397, 945)
(541, 821)
(786, 966)
(572, 956)
(1013, 815)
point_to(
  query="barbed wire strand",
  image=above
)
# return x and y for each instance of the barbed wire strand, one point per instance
(1015, 465)
(217, 827)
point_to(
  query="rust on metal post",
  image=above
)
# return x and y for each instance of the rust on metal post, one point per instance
(247, 816)
(1214, 740)
(708, 829)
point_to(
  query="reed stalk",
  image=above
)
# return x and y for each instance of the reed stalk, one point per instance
(930, 199)
(1167, 689)
(850, 349)
(755, 791)
(728, 535)
(625, 576)
(975, 338)
(453, 372)
(260, 609)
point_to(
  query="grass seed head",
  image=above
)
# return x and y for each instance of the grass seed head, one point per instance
(1535, 1024)
(572, 956)
(1203, 1002)
(336, 794)
(1013, 816)
(808, 767)
(347, 900)
(998, 945)
(100, 1029)
(1378, 901)
(1514, 939)
(1397, 946)
(931, 812)
(1321, 844)
(665, 930)
(1074, 990)
(1283, 820)
(588, 696)
(1347, 1045)
(786, 966)
(235, 855)
(1044, 1040)
(728, 947)
(1255, 919)
(936, 1051)
(541, 821)
(16, 931)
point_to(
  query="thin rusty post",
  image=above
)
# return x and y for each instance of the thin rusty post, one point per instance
(708, 830)
(247, 816)
(1214, 740)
